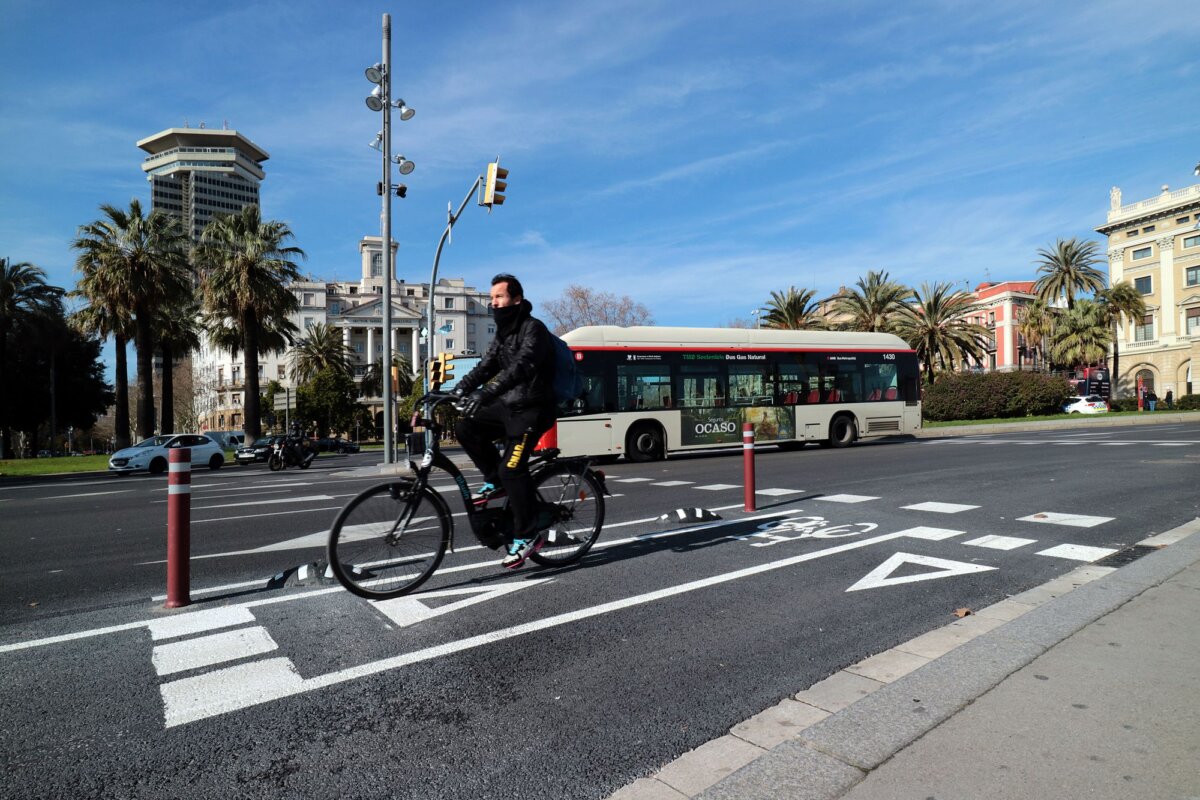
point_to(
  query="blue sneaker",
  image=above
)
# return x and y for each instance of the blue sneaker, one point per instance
(485, 490)
(519, 551)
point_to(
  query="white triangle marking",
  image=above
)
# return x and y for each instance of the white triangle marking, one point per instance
(880, 575)
(405, 611)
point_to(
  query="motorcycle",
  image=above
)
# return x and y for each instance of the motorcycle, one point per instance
(291, 452)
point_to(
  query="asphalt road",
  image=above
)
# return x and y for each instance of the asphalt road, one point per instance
(537, 683)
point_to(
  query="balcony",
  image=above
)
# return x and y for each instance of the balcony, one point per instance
(1164, 200)
(1141, 345)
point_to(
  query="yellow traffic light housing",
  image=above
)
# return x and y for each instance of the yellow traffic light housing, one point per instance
(441, 370)
(495, 184)
(395, 379)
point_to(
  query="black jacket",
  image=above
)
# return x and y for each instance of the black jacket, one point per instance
(522, 363)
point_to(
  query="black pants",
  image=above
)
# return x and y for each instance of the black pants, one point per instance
(520, 431)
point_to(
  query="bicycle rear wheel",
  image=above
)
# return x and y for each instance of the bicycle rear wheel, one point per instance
(388, 540)
(574, 501)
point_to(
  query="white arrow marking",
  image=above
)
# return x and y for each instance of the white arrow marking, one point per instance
(405, 611)
(880, 576)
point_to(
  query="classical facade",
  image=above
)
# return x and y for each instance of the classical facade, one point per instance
(998, 309)
(463, 322)
(1155, 245)
(198, 173)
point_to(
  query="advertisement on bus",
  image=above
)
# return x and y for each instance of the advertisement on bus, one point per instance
(712, 426)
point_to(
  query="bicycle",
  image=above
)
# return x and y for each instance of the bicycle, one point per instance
(391, 538)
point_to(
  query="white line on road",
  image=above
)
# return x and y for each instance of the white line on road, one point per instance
(1057, 518)
(846, 498)
(83, 494)
(940, 508)
(1000, 542)
(1077, 552)
(306, 499)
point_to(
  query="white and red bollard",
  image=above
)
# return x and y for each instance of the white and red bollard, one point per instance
(748, 464)
(179, 527)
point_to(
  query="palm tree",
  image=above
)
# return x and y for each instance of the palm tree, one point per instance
(1082, 335)
(1035, 323)
(246, 269)
(178, 333)
(374, 376)
(144, 259)
(321, 347)
(935, 324)
(874, 306)
(23, 294)
(102, 321)
(1122, 303)
(793, 310)
(1068, 269)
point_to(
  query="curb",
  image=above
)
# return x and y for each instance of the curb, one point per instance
(820, 742)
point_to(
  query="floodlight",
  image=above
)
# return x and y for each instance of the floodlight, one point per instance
(375, 73)
(406, 113)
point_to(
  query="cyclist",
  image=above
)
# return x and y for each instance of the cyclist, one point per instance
(517, 405)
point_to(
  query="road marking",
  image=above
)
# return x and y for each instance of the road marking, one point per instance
(778, 492)
(405, 611)
(83, 494)
(1000, 542)
(253, 516)
(881, 575)
(1172, 444)
(1078, 552)
(717, 487)
(673, 483)
(1074, 520)
(216, 648)
(306, 499)
(631, 480)
(198, 621)
(846, 498)
(940, 508)
(1110, 444)
(258, 682)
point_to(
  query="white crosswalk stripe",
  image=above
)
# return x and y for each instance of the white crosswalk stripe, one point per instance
(846, 498)
(717, 487)
(1077, 552)
(778, 492)
(941, 508)
(1000, 542)
(673, 483)
(1057, 518)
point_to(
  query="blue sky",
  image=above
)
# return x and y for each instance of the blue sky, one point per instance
(695, 156)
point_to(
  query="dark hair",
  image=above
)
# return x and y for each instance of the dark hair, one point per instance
(512, 284)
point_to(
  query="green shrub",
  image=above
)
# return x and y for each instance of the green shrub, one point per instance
(1189, 402)
(993, 395)
(1123, 404)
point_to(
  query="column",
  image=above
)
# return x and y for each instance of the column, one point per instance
(415, 342)
(1116, 271)
(1166, 286)
(370, 345)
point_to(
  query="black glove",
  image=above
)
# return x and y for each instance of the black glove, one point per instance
(471, 403)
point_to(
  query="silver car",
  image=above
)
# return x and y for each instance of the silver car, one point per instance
(152, 454)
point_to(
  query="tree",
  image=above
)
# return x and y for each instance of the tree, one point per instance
(935, 325)
(321, 348)
(145, 263)
(373, 378)
(330, 400)
(1121, 303)
(246, 267)
(579, 306)
(1035, 323)
(178, 332)
(874, 305)
(1068, 269)
(104, 316)
(793, 310)
(24, 294)
(1081, 335)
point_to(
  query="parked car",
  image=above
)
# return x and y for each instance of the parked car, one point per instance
(336, 444)
(48, 454)
(152, 454)
(1092, 404)
(259, 451)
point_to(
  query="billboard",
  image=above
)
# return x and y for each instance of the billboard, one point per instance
(724, 425)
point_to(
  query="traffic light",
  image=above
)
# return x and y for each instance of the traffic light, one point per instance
(398, 189)
(495, 185)
(441, 369)
(395, 379)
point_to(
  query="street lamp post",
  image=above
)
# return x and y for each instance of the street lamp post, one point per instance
(380, 99)
(758, 317)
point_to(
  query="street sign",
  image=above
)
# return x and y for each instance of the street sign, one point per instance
(285, 400)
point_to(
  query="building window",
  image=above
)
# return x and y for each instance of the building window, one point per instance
(471, 345)
(1141, 252)
(449, 344)
(449, 303)
(1181, 221)
(308, 298)
(1132, 233)
(1192, 324)
(377, 265)
(1192, 241)
(236, 376)
(220, 376)
(470, 327)
(1144, 331)
(410, 292)
(1192, 276)
(1148, 229)
(1144, 285)
(281, 372)
(353, 290)
(335, 307)
(448, 326)
(1146, 378)
(491, 329)
(308, 322)
(235, 399)
(359, 370)
(358, 347)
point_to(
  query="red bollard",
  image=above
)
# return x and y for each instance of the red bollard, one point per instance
(179, 528)
(748, 463)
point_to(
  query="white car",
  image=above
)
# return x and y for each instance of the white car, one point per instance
(1092, 404)
(152, 454)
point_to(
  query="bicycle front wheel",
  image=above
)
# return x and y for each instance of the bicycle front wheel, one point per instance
(575, 503)
(388, 540)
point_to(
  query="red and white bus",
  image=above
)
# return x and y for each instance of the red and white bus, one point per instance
(651, 391)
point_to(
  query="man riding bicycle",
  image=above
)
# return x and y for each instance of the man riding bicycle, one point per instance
(518, 406)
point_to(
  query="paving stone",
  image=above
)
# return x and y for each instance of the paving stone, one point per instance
(698, 769)
(838, 691)
(790, 771)
(888, 665)
(648, 789)
(778, 723)
(1006, 610)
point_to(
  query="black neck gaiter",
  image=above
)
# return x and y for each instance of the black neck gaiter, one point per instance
(507, 318)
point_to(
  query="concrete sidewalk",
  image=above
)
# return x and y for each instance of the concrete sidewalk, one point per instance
(1088, 686)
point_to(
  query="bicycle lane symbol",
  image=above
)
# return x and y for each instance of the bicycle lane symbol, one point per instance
(203, 696)
(774, 532)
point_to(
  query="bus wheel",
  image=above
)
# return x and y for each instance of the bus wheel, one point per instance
(842, 431)
(644, 443)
